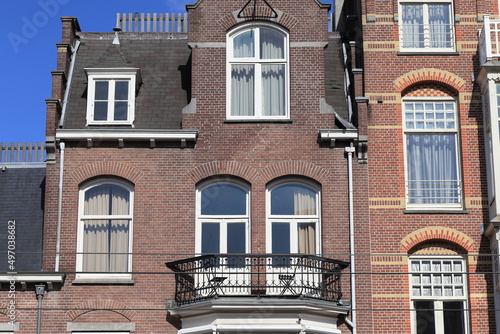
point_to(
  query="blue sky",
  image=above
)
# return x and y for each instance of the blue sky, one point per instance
(29, 31)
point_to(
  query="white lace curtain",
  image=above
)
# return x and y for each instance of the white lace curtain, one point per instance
(106, 241)
(426, 26)
(432, 169)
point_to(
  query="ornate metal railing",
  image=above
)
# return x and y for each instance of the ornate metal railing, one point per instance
(265, 275)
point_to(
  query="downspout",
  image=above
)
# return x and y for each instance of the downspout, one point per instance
(70, 78)
(40, 293)
(350, 150)
(59, 205)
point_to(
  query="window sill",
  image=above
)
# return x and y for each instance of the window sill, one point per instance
(436, 211)
(111, 280)
(428, 53)
(258, 120)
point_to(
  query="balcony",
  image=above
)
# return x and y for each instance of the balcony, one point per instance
(22, 154)
(489, 46)
(258, 275)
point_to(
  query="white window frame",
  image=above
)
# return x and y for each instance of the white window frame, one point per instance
(455, 131)
(223, 220)
(131, 75)
(231, 60)
(427, 42)
(438, 300)
(80, 235)
(293, 220)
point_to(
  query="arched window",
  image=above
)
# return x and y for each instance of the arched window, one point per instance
(105, 227)
(293, 217)
(222, 217)
(257, 72)
(432, 151)
(438, 287)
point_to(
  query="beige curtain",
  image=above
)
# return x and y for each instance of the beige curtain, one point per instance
(304, 201)
(307, 238)
(106, 241)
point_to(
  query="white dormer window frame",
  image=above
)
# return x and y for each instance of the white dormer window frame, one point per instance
(258, 72)
(111, 95)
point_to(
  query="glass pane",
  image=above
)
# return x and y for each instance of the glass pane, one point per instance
(223, 199)
(307, 238)
(272, 44)
(412, 29)
(100, 111)
(453, 315)
(121, 90)
(119, 245)
(273, 90)
(210, 238)
(107, 199)
(236, 238)
(440, 28)
(281, 238)
(242, 90)
(425, 321)
(121, 111)
(293, 199)
(244, 45)
(432, 169)
(101, 90)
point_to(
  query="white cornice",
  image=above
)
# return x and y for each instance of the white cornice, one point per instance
(126, 135)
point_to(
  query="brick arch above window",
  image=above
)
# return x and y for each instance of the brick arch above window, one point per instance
(426, 75)
(436, 233)
(215, 168)
(298, 168)
(429, 89)
(100, 304)
(103, 168)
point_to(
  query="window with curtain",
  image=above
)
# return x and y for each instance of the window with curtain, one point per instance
(439, 295)
(293, 218)
(105, 227)
(426, 25)
(432, 163)
(223, 217)
(258, 73)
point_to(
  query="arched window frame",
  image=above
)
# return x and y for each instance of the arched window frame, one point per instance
(224, 220)
(258, 62)
(108, 276)
(293, 220)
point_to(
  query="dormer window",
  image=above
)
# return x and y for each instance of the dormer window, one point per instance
(111, 96)
(257, 73)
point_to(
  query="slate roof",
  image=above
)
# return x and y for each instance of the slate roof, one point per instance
(164, 62)
(21, 200)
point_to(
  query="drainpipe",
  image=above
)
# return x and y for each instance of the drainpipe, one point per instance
(70, 78)
(59, 205)
(40, 293)
(350, 151)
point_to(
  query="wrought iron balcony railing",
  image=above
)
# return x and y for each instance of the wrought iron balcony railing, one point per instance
(287, 275)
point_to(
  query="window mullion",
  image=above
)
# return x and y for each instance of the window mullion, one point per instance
(111, 100)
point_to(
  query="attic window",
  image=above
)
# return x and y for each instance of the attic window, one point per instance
(111, 95)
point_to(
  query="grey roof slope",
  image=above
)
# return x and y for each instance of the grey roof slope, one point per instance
(165, 66)
(21, 200)
(334, 77)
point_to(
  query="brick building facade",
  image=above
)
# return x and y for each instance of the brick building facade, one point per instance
(247, 168)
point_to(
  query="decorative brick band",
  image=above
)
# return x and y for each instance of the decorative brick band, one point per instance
(295, 167)
(99, 305)
(102, 168)
(436, 233)
(223, 168)
(429, 75)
